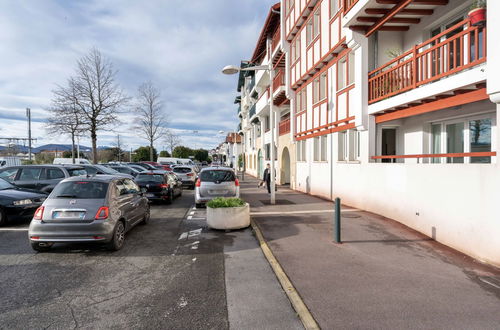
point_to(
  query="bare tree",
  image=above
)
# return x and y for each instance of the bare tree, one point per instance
(65, 117)
(96, 95)
(172, 140)
(151, 120)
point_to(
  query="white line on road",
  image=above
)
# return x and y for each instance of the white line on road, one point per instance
(190, 217)
(195, 232)
(192, 212)
(183, 236)
(14, 229)
(302, 211)
(196, 218)
(488, 282)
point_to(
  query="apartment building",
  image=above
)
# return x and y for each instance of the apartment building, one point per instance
(394, 110)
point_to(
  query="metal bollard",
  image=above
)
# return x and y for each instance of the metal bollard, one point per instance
(336, 225)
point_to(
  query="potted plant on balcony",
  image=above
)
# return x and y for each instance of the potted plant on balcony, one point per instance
(228, 213)
(477, 13)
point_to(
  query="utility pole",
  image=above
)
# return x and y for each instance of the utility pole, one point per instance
(28, 114)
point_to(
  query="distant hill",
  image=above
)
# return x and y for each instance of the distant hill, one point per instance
(48, 147)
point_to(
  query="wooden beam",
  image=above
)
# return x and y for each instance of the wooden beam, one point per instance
(381, 21)
(383, 11)
(373, 19)
(364, 28)
(451, 101)
(416, 2)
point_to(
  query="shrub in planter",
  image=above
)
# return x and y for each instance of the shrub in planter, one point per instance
(228, 213)
(477, 13)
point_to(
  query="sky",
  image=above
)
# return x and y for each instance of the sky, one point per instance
(180, 46)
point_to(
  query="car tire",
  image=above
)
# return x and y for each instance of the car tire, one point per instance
(118, 237)
(193, 186)
(3, 217)
(147, 216)
(170, 198)
(199, 205)
(38, 248)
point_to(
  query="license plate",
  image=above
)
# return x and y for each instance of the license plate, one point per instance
(217, 192)
(68, 215)
(150, 195)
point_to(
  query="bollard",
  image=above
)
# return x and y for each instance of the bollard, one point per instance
(336, 225)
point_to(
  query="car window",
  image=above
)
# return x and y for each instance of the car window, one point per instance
(76, 171)
(90, 170)
(149, 178)
(80, 190)
(5, 185)
(132, 188)
(182, 170)
(120, 188)
(106, 170)
(28, 174)
(217, 176)
(54, 173)
(9, 174)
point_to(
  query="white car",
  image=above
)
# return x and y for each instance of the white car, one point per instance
(216, 182)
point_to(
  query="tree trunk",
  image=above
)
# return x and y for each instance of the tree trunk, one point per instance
(93, 136)
(73, 147)
(151, 151)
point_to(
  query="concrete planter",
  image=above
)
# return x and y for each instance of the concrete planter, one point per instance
(228, 217)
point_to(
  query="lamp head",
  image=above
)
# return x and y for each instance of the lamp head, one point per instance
(230, 69)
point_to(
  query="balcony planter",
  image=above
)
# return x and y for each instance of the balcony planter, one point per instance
(477, 14)
(228, 213)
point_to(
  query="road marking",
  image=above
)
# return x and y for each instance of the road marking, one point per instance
(192, 212)
(302, 211)
(488, 282)
(14, 229)
(194, 259)
(183, 236)
(190, 217)
(195, 232)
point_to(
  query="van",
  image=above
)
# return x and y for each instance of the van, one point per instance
(10, 161)
(70, 161)
(167, 160)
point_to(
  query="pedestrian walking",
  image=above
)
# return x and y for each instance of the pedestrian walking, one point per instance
(267, 177)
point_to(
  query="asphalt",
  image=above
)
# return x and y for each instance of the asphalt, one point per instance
(383, 276)
(173, 273)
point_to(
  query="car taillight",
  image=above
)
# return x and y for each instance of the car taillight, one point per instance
(198, 183)
(163, 185)
(237, 182)
(39, 213)
(190, 174)
(102, 213)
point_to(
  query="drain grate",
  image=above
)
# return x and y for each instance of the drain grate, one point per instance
(278, 202)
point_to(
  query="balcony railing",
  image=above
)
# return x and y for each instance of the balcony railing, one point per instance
(252, 111)
(276, 38)
(284, 126)
(279, 80)
(348, 4)
(455, 49)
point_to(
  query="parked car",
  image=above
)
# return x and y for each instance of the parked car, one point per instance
(124, 169)
(39, 177)
(17, 202)
(101, 169)
(215, 182)
(159, 186)
(70, 161)
(10, 161)
(137, 167)
(145, 166)
(90, 209)
(187, 175)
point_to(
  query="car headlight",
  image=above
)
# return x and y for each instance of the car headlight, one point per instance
(23, 202)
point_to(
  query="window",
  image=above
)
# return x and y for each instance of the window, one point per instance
(295, 51)
(334, 7)
(55, 173)
(320, 148)
(28, 174)
(301, 151)
(289, 6)
(322, 86)
(131, 186)
(316, 148)
(9, 174)
(268, 151)
(349, 145)
(80, 189)
(312, 28)
(462, 136)
(267, 124)
(345, 71)
(301, 100)
(316, 90)
(351, 68)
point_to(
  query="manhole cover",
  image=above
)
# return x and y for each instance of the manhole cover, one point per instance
(350, 215)
(278, 202)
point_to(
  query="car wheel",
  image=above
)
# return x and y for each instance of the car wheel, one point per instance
(118, 237)
(41, 248)
(199, 205)
(3, 217)
(147, 216)
(193, 186)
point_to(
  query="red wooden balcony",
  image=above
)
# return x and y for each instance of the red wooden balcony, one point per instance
(348, 4)
(284, 126)
(276, 39)
(279, 80)
(458, 48)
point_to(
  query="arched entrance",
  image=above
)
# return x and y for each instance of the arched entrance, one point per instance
(260, 164)
(285, 166)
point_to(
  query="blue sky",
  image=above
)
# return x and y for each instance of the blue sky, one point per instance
(179, 45)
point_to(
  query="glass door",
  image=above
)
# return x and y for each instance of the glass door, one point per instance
(455, 141)
(436, 142)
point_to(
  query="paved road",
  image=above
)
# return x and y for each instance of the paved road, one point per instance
(172, 273)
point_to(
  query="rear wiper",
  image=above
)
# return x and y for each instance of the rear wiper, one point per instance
(66, 196)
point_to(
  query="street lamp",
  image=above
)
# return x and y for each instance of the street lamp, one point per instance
(232, 69)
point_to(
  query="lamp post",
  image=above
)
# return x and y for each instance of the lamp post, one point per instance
(232, 69)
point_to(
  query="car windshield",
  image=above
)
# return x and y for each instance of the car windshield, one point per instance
(5, 185)
(217, 176)
(149, 178)
(76, 171)
(182, 170)
(80, 190)
(106, 170)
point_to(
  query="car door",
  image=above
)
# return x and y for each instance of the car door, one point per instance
(137, 211)
(124, 203)
(50, 178)
(29, 177)
(176, 183)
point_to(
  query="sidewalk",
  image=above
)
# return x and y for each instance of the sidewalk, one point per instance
(383, 276)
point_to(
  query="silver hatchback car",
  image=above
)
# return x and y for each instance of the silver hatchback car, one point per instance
(186, 174)
(89, 209)
(215, 182)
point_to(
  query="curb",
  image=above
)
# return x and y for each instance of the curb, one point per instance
(300, 307)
